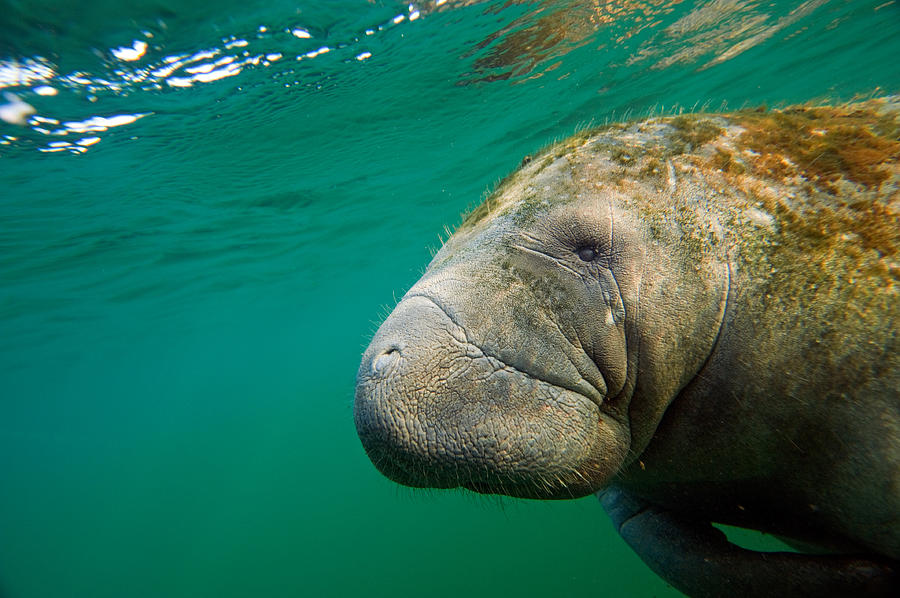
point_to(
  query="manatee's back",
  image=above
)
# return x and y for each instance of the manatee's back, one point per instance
(794, 424)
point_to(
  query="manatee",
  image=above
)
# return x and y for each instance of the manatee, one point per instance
(695, 317)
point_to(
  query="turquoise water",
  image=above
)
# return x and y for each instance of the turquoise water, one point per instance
(208, 213)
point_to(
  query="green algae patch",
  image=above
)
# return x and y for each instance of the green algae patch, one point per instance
(838, 158)
(725, 161)
(823, 144)
(691, 132)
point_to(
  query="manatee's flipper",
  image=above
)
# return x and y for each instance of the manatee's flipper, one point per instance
(697, 559)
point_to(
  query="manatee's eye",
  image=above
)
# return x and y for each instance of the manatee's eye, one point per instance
(587, 254)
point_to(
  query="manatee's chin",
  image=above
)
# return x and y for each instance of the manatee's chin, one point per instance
(547, 443)
(563, 480)
(591, 458)
(531, 490)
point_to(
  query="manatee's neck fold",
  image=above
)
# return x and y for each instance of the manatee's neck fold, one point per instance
(647, 412)
(723, 314)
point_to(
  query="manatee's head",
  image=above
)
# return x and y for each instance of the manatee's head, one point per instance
(511, 366)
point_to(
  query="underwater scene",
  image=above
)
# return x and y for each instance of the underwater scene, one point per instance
(206, 211)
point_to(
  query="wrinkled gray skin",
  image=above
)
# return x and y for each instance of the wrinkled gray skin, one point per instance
(622, 315)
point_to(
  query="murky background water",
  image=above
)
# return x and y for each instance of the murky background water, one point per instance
(206, 209)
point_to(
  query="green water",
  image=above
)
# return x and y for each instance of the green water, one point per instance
(186, 287)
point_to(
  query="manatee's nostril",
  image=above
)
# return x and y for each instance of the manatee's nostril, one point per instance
(385, 360)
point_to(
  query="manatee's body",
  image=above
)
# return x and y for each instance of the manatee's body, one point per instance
(700, 311)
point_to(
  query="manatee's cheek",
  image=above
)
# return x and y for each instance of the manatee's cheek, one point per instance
(433, 410)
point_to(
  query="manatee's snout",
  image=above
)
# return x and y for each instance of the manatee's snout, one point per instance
(433, 409)
(402, 371)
